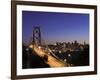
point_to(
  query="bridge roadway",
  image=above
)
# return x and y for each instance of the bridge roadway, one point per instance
(51, 61)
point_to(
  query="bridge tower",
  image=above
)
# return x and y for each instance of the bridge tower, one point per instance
(37, 36)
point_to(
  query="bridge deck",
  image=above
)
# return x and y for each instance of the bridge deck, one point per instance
(51, 61)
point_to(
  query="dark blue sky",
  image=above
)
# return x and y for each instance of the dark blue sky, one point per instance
(61, 27)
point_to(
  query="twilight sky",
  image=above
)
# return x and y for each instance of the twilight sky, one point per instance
(60, 27)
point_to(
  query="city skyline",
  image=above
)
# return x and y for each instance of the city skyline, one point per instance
(56, 27)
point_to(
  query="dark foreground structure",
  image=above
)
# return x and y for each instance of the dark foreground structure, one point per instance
(31, 60)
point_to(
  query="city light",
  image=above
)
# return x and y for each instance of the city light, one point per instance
(69, 55)
(59, 51)
(31, 46)
(27, 49)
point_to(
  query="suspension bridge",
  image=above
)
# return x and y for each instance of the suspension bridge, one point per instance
(45, 52)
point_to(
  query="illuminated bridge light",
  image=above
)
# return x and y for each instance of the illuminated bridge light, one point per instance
(65, 60)
(39, 47)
